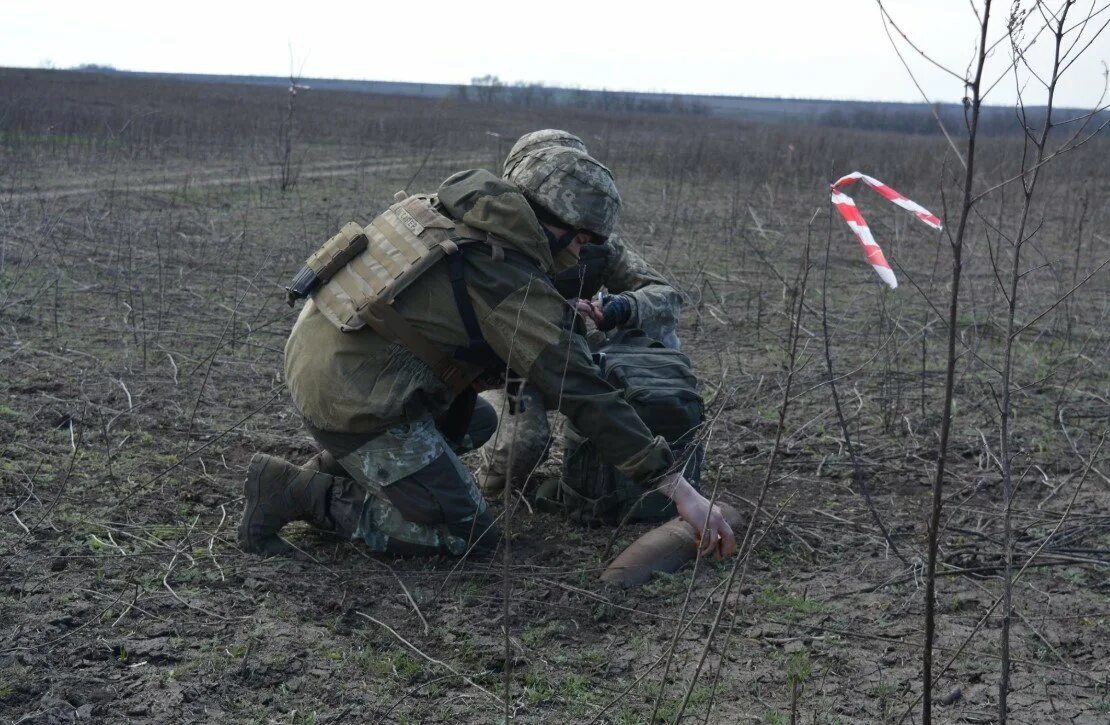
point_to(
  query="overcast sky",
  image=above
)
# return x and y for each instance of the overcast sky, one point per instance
(794, 48)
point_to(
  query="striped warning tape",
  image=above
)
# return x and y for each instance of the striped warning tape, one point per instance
(850, 213)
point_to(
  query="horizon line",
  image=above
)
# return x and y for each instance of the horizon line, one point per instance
(108, 69)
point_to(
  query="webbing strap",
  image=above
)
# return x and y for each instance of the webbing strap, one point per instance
(379, 314)
(477, 350)
(388, 323)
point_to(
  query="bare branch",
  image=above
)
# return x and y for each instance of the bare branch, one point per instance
(922, 53)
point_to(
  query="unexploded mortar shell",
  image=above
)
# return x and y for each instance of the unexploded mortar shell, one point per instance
(665, 548)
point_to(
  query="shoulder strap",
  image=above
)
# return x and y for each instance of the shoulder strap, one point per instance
(451, 368)
(477, 350)
(388, 323)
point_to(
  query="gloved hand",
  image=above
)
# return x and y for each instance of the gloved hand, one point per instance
(615, 311)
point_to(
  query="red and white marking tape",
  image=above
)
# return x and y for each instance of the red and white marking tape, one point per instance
(848, 210)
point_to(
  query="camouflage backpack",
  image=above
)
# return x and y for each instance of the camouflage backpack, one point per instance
(659, 383)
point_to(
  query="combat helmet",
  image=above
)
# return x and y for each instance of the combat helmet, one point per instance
(531, 142)
(570, 187)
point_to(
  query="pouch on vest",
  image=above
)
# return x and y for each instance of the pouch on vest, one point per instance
(659, 383)
(355, 276)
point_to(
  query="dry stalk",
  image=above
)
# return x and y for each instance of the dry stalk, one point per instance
(858, 474)
(685, 602)
(974, 102)
(506, 541)
(289, 168)
(682, 626)
(431, 659)
(135, 489)
(743, 557)
(1006, 407)
(1016, 578)
(76, 445)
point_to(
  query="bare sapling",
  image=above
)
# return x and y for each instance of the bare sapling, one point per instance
(797, 307)
(289, 166)
(973, 102)
(859, 476)
(1035, 155)
(1035, 151)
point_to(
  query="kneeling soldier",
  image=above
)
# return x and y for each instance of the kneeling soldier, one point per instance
(436, 298)
(637, 297)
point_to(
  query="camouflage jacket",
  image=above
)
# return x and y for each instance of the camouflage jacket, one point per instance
(620, 270)
(360, 383)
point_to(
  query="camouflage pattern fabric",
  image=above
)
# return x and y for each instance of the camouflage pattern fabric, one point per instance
(570, 185)
(522, 437)
(655, 310)
(358, 383)
(396, 453)
(655, 303)
(420, 499)
(531, 142)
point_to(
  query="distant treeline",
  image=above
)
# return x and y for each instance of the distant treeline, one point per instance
(491, 89)
(921, 119)
(913, 118)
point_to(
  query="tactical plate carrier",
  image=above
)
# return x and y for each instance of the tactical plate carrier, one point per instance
(357, 274)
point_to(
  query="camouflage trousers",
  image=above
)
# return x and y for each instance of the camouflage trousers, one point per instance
(417, 496)
(524, 436)
(522, 440)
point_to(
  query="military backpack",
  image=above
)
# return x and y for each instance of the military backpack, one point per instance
(659, 383)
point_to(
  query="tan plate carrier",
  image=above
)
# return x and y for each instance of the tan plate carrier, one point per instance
(361, 270)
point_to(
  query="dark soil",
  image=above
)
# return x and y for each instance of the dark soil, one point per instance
(141, 336)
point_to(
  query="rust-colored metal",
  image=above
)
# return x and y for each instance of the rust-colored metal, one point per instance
(665, 548)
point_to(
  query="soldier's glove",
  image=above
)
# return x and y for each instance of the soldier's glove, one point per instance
(615, 311)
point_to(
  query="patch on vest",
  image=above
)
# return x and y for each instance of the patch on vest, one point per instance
(407, 219)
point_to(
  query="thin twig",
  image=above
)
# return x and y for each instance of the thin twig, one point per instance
(431, 659)
(744, 557)
(858, 474)
(1017, 577)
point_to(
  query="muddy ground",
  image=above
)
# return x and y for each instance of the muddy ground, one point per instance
(142, 321)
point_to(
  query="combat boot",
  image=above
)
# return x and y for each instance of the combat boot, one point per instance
(325, 462)
(277, 493)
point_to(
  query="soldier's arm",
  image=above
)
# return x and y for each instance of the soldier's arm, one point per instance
(628, 271)
(527, 330)
(651, 296)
